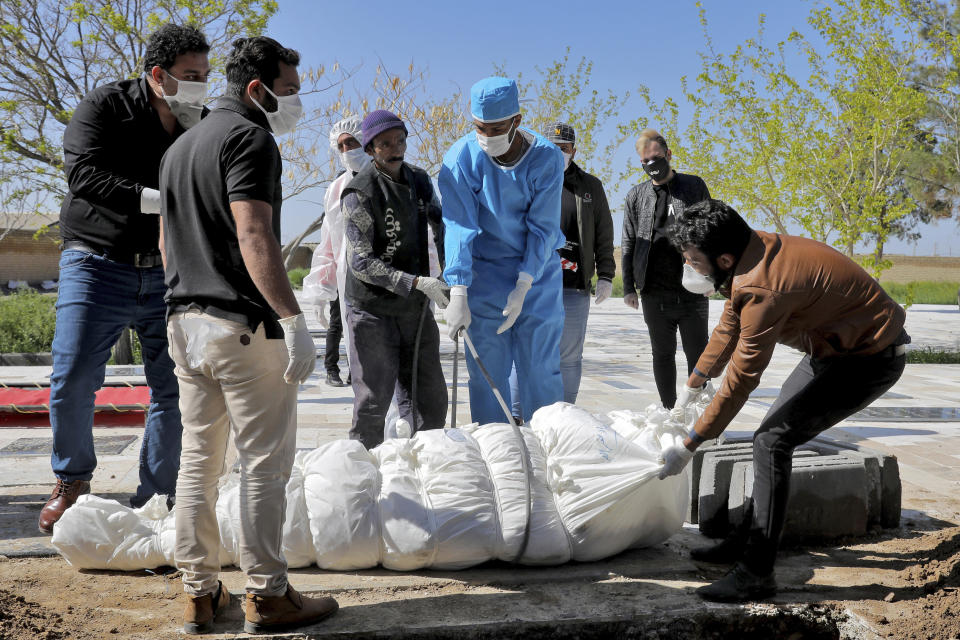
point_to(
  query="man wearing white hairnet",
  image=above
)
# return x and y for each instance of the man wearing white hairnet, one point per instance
(327, 278)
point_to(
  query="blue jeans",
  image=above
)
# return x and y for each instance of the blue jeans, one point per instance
(98, 298)
(576, 310)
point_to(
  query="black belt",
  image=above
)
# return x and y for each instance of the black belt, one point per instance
(146, 260)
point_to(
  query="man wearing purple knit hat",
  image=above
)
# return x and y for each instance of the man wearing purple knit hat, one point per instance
(389, 208)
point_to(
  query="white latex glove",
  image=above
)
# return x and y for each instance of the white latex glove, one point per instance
(604, 289)
(457, 314)
(149, 200)
(515, 301)
(300, 349)
(321, 310)
(687, 394)
(631, 300)
(435, 289)
(675, 458)
(679, 414)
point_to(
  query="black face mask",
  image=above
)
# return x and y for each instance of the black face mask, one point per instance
(657, 168)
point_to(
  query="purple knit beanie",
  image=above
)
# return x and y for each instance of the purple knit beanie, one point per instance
(376, 122)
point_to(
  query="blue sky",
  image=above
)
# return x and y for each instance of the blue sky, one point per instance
(630, 43)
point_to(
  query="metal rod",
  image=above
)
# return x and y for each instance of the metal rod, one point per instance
(456, 357)
(483, 370)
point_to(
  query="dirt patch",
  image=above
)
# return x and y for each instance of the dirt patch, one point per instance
(44, 598)
(923, 601)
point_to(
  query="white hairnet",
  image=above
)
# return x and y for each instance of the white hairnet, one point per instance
(349, 125)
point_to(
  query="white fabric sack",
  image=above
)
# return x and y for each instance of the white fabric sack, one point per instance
(437, 507)
(297, 539)
(96, 533)
(548, 543)
(341, 484)
(228, 520)
(606, 485)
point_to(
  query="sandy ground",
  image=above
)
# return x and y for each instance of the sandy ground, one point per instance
(902, 583)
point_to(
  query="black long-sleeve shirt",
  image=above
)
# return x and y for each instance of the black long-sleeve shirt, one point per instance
(112, 150)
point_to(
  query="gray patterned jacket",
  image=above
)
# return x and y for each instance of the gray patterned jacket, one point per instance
(638, 212)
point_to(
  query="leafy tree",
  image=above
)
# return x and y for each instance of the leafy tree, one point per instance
(52, 53)
(433, 123)
(825, 147)
(935, 178)
(563, 91)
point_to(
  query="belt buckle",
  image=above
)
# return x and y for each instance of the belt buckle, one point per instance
(144, 260)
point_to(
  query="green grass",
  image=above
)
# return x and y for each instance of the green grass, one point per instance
(929, 355)
(27, 321)
(922, 292)
(296, 277)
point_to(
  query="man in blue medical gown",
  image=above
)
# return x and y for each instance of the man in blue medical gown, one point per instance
(501, 188)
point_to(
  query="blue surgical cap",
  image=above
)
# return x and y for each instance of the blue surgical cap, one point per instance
(494, 99)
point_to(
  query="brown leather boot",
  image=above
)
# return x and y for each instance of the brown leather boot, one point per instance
(62, 498)
(291, 610)
(201, 610)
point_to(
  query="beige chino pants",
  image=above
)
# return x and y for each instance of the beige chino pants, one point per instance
(231, 382)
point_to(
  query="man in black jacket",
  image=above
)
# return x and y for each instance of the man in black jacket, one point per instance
(110, 271)
(653, 268)
(588, 227)
(389, 208)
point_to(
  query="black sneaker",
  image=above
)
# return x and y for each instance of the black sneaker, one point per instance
(740, 585)
(333, 379)
(727, 551)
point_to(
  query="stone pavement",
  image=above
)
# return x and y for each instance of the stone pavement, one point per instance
(918, 421)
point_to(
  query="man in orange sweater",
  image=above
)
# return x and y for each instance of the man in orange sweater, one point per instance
(806, 295)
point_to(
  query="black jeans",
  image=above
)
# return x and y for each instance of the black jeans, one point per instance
(816, 396)
(331, 351)
(381, 360)
(664, 313)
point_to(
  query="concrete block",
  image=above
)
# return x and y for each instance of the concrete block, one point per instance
(885, 508)
(891, 491)
(695, 469)
(829, 497)
(714, 485)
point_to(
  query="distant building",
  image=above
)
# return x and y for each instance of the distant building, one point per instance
(23, 257)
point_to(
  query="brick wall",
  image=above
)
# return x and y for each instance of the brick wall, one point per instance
(23, 258)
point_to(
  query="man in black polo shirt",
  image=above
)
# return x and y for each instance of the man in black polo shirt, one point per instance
(110, 272)
(237, 336)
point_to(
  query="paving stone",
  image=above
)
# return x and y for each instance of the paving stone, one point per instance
(714, 484)
(829, 497)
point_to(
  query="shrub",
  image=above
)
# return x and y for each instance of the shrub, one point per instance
(296, 277)
(27, 321)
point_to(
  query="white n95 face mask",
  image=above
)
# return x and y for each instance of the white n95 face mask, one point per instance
(284, 119)
(354, 159)
(496, 146)
(567, 157)
(187, 103)
(695, 282)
